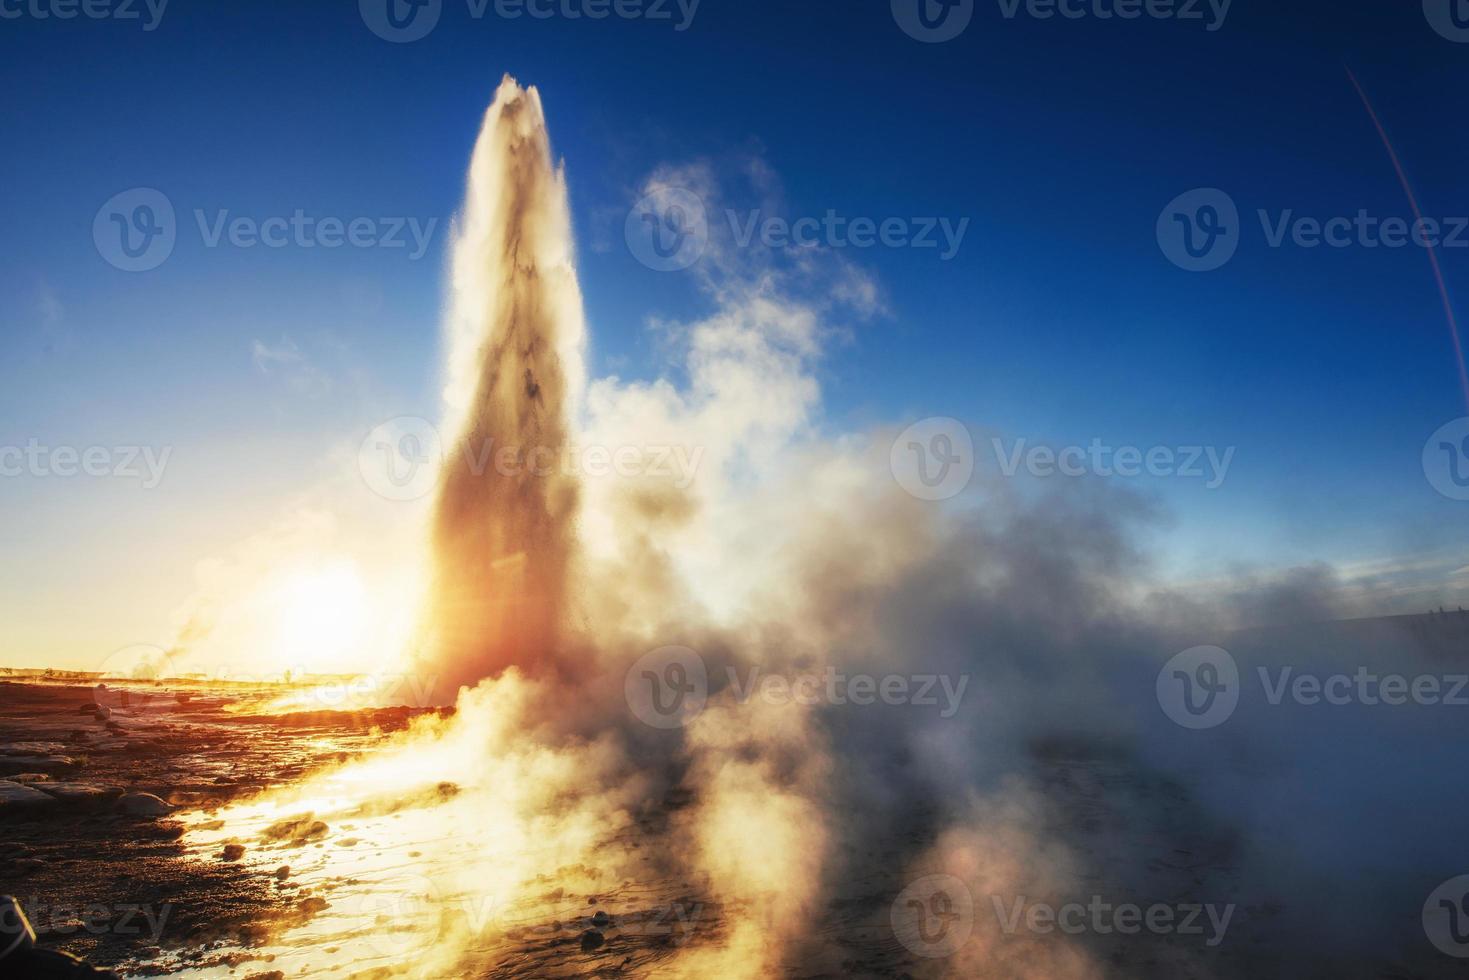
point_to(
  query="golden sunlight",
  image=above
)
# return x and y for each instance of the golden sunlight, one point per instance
(320, 616)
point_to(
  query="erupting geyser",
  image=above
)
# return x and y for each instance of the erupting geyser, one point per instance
(502, 525)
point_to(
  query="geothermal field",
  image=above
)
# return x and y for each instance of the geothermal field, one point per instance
(753, 578)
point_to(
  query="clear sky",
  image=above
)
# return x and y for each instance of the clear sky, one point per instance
(1059, 319)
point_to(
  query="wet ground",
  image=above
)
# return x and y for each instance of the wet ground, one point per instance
(339, 887)
(124, 888)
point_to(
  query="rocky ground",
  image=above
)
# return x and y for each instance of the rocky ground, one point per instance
(89, 799)
(108, 836)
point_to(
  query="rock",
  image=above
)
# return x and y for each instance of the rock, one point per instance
(90, 708)
(283, 872)
(26, 866)
(94, 793)
(31, 748)
(601, 919)
(310, 906)
(296, 830)
(591, 939)
(233, 852)
(29, 778)
(143, 805)
(15, 797)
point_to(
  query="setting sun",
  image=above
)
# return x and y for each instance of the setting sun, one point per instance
(320, 616)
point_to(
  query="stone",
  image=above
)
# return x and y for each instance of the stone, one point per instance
(143, 805)
(296, 830)
(591, 939)
(232, 852)
(31, 748)
(94, 793)
(15, 797)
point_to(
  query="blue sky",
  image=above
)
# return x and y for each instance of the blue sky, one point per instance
(1059, 320)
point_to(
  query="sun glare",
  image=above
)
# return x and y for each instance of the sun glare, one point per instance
(321, 615)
